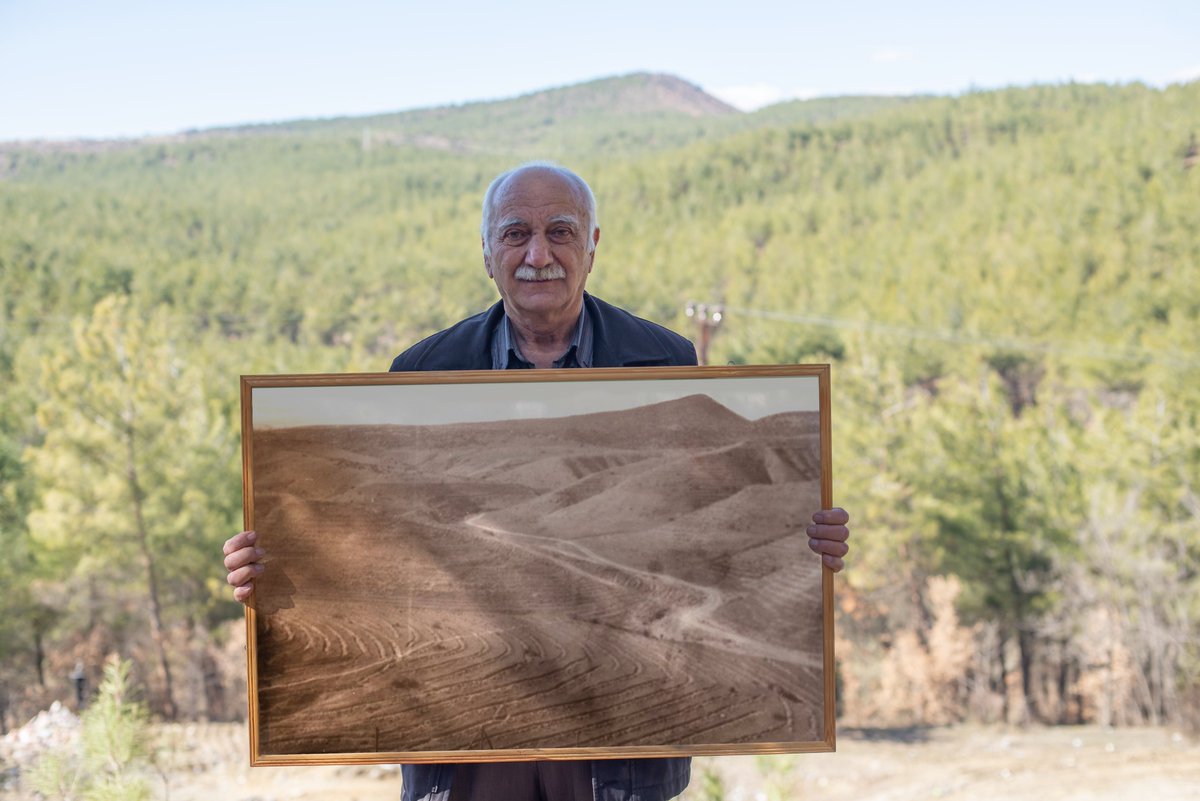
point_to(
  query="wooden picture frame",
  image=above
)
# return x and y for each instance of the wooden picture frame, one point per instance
(538, 564)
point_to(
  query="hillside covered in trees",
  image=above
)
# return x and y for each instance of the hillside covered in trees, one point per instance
(1006, 283)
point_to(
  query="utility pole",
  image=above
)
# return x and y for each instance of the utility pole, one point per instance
(707, 318)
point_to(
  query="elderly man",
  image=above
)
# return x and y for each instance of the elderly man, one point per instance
(539, 235)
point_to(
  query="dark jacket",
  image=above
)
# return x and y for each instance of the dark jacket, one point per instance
(619, 340)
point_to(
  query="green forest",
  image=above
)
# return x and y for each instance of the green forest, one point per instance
(1006, 284)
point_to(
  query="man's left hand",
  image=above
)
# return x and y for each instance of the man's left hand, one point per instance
(827, 536)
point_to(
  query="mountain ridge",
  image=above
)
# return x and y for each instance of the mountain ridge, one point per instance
(631, 94)
(632, 112)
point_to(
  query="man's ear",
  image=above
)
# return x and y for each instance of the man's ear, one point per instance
(487, 262)
(595, 242)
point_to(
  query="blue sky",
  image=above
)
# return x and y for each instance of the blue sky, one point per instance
(130, 67)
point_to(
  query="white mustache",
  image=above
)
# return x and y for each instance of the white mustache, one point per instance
(528, 273)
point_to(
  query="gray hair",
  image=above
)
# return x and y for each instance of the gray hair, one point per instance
(580, 185)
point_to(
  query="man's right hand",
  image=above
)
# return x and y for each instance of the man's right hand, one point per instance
(242, 562)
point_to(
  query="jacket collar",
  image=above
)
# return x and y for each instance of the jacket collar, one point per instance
(621, 340)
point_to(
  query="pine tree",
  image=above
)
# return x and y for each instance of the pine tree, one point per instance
(132, 468)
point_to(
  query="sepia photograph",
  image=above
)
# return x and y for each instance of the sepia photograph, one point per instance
(498, 565)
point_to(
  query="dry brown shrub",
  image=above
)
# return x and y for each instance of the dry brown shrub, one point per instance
(951, 645)
(912, 679)
(1106, 681)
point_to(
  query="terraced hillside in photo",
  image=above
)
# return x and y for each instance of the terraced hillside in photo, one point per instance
(609, 579)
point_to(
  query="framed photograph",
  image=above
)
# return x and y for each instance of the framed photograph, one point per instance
(538, 564)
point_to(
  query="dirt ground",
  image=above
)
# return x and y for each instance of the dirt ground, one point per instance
(967, 762)
(208, 762)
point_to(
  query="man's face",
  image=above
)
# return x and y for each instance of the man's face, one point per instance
(539, 256)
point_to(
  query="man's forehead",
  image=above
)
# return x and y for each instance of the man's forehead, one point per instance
(537, 190)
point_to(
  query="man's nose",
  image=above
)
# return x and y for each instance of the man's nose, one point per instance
(537, 254)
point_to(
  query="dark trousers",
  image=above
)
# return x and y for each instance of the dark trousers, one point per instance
(522, 781)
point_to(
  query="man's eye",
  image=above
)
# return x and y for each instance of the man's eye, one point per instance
(561, 233)
(512, 236)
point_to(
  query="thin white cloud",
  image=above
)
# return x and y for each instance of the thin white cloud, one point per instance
(751, 97)
(891, 55)
(1185, 75)
(890, 91)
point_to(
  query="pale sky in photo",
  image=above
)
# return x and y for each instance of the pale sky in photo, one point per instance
(437, 404)
(73, 69)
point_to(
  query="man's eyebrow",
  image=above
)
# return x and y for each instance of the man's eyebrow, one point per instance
(509, 221)
(569, 219)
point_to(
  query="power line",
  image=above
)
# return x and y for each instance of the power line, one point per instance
(1090, 350)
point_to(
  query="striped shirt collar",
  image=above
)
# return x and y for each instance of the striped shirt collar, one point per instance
(506, 353)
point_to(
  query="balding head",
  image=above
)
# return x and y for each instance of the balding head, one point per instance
(585, 200)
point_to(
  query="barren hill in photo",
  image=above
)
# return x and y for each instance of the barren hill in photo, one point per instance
(624, 578)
